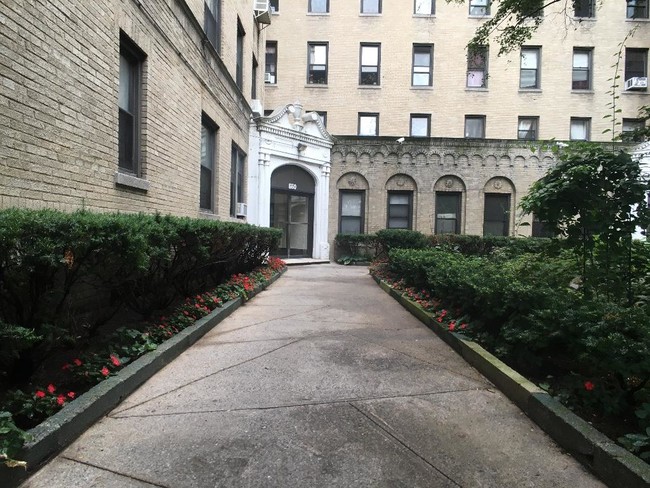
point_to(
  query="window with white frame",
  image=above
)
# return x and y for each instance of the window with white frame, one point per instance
(420, 125)
(475, 126)
(422, 65)
(400, 210)
(319, 6)
(370, 6)
(351, 211)
(584, 8)
(637, 9)
(529, 71)
(477, 63)
(368, 124)
(528, 128)
(271, 62)
(631, 130)
(581, 76)
(317, 69)
(369, 69)
(424, 7)
(479, 7)
(580, 128)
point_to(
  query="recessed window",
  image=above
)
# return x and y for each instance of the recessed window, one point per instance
(631, 130)
(240, 55)
(319, 6)
(540, 229)
(584, 8)
(208, 155)
(420, 125)
(477, 62)
(528, 128)
(237, 161)
(424, 7)
(274, 6)
(422, 65)
(129, 105)
(323, 116)
(368, 124)
(352, 211)
(475, 126)
(581, 77)
(369, 65)
(529, 71)
(448, 212)
(254, 78)
(271, 62)
(637, 9)
(400, 210)
(212, 22)
(496, 215)
(479, 7)
(317, 69)
(370, 6)
(636, 66)
(580, 129)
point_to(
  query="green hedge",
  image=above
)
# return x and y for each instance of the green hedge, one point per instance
(63, 275)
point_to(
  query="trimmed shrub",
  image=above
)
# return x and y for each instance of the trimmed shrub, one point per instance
(388, 239)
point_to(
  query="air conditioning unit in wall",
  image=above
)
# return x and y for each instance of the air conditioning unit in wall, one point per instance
(269, 78)
(262, 11)
(241, 209)
(636, 83)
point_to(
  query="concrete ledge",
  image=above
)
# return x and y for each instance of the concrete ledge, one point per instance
(61, 429)
(614, 465)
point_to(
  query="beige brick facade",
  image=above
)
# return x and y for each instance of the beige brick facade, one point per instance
(59, 72)
(471, 168)
(448, 100)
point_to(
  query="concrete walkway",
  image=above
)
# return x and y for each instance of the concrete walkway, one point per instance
(320, 381)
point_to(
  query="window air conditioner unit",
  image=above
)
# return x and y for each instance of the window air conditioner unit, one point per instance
(269, 78)
(241, 209)
(262, 11)
(636, 83)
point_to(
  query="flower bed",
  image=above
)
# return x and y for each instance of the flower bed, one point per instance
(78, 372)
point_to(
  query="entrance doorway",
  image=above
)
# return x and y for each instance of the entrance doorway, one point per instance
(292, 211)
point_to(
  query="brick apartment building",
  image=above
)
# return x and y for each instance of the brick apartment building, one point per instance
(207, 108)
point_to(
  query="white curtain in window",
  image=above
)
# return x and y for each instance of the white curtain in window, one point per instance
(423, 7)
(368, 126)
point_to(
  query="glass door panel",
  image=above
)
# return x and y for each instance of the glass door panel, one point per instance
(298, 225)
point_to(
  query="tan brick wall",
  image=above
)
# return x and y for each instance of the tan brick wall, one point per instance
(470, 167)
(59, 70)
(448, 101)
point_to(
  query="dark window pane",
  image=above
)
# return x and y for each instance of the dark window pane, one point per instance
(126, 141)
(496, 215)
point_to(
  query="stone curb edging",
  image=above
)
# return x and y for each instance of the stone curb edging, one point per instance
(61, 429)
(614, 465)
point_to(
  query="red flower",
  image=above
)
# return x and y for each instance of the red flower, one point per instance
(439, 319)
(60, 400)
(463, 326)
(39, 394)
(104, 371)
(452, 325)
(77, 362)
(589, 385)
(115, 360)
(71, 394)
(51, 388)
(66, 367)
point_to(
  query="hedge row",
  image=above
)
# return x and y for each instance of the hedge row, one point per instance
(530, 311)
(371, 246)
(63, 275)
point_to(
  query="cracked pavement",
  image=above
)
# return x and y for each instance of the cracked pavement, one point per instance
(321, 380)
